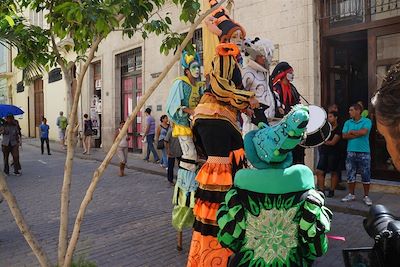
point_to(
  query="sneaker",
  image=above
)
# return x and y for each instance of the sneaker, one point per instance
(17, 173)
(367, 201)
(348, 198)
(330, 194)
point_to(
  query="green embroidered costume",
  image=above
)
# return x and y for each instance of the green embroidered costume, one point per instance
(272, 216)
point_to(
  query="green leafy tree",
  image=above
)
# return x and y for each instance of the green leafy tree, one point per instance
(78, 27)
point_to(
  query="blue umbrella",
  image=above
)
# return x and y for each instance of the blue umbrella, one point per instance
(9, 109)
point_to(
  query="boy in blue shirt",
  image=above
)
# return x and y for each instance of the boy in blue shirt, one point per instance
(356, 130)
(44, 135)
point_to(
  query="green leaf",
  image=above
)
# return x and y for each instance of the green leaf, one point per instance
(196, 5)
(168, 20)
(10, 20)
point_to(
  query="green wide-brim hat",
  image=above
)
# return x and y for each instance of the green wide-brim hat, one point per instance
(256, 161)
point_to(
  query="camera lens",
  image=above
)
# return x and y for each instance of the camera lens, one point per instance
(377, 220)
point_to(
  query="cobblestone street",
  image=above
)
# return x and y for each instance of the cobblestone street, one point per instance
(127, 223)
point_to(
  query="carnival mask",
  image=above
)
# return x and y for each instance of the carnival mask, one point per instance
(290, 76)
(237, 39)
(195, 70)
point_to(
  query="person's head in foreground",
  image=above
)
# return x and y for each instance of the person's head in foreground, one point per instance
(386, 102)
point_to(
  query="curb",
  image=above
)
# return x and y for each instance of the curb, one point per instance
(347, 210)
(130, 167)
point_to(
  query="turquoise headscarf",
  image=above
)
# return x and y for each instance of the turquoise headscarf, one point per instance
(187, 59)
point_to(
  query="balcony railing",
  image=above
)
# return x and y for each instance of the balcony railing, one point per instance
(355, 11)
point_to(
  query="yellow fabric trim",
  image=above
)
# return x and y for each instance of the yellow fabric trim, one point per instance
(215, 188)
(218, 160)
(210, 42)
(194, 98)
(179, 130)
(206, 221)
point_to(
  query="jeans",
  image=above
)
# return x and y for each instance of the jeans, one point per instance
(42, 140)
(358, 161)
(15, 154)
(150, 147)
(164, 158)
(170, 172)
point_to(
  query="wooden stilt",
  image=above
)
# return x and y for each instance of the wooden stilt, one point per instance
(179, 238)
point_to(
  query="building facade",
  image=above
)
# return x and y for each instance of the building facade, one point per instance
(335, 48)
(5, 74)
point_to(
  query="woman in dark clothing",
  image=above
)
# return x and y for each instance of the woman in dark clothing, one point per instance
(329, 156)
(87, 132)
(282, 78)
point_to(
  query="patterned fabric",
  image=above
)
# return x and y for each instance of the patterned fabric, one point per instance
(210, 108)
(222, 86)
(361, 162)
(205, 251)
(272, 234)
(273, 229)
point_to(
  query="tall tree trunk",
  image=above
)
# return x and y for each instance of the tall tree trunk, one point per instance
(22, 225)
(100, 170)
(71, 136)
(64, 199)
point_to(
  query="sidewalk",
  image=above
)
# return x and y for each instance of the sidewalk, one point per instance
(135, 161)
(357, 207)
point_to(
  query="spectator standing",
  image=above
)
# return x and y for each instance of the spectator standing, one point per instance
(10, 144)
(62, 123)
(44, 135)
(174, 152)
(161, 132)
(149, 134)
(356, 130)
(19, 142)
(342, 149)
(329, 154)
(122, 150)
(87, 134)
(282, 83)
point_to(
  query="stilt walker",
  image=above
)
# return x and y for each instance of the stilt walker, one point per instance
(258, 53)
(217, 133)
(184, 96)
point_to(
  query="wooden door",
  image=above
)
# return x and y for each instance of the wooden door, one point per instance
(38, 102)
(346, 74)
(384, 51)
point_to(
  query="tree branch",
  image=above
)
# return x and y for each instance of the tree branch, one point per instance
(100, 170)
(22, 225)
(65, 192)
(64, 208)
